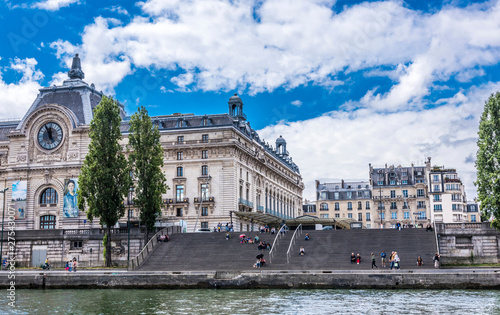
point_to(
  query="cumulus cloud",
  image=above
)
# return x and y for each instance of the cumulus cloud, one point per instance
(297, 103)
(259, 46)
(53, 5)
(17, 97)
(341, 144)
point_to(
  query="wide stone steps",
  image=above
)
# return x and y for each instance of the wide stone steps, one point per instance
(327, 250)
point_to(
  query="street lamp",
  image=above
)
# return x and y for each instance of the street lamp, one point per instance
(207, 182)
(131, 190)
(3, 218)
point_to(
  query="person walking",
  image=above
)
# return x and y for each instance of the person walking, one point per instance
(373, 261)
(74, 264)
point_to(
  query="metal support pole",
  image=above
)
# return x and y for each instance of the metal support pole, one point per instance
(128, 225)
(3, 218)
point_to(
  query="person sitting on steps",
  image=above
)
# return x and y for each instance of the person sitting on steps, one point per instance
(353, 258)
(301, 251)
(306, 238)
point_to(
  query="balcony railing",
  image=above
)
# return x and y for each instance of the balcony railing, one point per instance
(175, 200)
(276, 213)
(206, 199)
(261, 208)
(245, 202)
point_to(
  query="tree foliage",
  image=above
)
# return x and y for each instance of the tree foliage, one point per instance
(104, 179)
(146, 160)
(488, 160)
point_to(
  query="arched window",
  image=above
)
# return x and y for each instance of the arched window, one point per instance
(48, 222)
(337, 207)
(323, 206)
(48, 196)
(179, 171)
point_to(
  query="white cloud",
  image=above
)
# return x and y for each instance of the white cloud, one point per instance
(118, 9)
(17, 97)
(297, 103)
(293, 43)
(53, 5)
(340, 145)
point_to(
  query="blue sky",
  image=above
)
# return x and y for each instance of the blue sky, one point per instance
(346, 83)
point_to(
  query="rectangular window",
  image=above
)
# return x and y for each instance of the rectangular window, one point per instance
(382, 215)
(337, 207)
(472, 218)
(336, 196)
(367, 205)
(404, 174)
(422, 215)
(349, 215)
(76, 245)
(204, 170)
(178, 212)
(393, 182)
(393, 205)
(380, 183)
(204, 154)
(405, 193)
(420, 193)
(204, 211)
(349, 195)
(406, 214)
(349, 206)
(324, 216)
(367, 194)
(360, 217)
(204, 192)
(437, 198)
(435, 188)
(405, 182)
(438, 207)
(368, 216)
(180, 139)
(360, 205)
(204, 225)
(393, 194)
(179, 155)
(394, 215)
(435, 178)
(337, 215)
(421, 205)
(204, 138)
(360, 194)
(179, 171)
(179, 192)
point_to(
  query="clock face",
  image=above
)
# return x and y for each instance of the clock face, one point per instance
(50, 135)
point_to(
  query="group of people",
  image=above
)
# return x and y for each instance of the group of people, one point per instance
(163, 238)
(261, 262)
(355, 258)
(71, 265)
(223, 228)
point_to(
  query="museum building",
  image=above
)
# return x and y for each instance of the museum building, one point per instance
(216, 165)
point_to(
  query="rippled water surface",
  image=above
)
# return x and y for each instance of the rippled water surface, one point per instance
(273, 301)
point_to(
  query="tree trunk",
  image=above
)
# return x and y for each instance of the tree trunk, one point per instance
(108, 247)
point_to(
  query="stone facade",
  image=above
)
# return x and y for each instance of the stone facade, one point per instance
(467, 243)
(351, 200)
(214, 164)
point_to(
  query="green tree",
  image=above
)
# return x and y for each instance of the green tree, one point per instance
(104, 179)
(146, 160)
(488, 161)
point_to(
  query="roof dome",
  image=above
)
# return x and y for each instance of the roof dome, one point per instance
(280, 140)
(235, 99)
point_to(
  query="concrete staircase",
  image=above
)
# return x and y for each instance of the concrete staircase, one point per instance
(326, 250)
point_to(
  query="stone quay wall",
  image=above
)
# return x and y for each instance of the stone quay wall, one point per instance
(468, 243)
(257, 280)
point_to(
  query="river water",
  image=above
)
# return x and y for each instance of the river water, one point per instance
(269, 301)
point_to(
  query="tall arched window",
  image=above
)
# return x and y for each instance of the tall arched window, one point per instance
(47, 222)
(48, 196)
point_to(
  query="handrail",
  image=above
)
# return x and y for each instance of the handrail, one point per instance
(148, 248)
(292, 241)
(280, 232)
(437, 240)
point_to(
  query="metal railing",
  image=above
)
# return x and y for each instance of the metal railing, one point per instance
(245, 202)
(150, 246)
(292, 241)
(276, 242)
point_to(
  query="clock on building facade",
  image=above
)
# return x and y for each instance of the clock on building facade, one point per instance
(50, 136)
